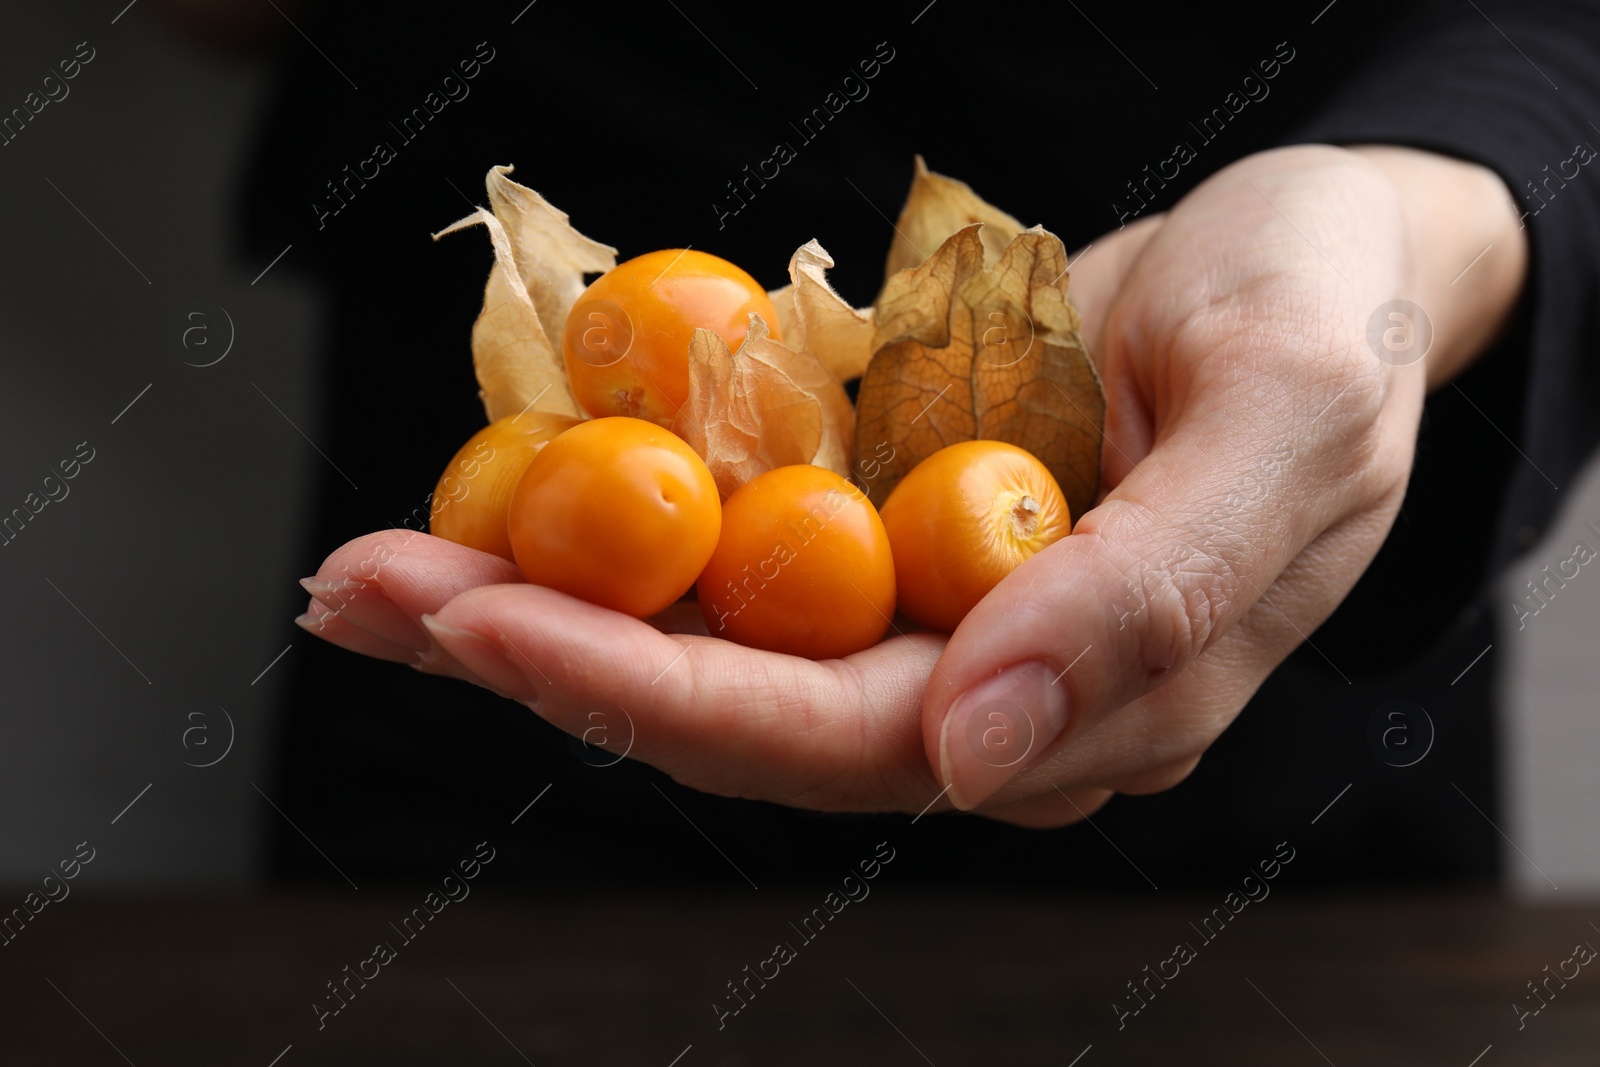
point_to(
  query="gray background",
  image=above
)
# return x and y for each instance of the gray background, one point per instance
(174, 541)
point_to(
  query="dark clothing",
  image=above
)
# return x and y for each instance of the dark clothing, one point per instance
(647, 128)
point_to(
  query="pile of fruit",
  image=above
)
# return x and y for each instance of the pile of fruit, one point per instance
(671, 426)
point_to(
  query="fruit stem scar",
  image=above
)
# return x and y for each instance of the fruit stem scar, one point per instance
(1025, 516)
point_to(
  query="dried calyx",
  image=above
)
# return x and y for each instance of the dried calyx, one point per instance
(974, 339)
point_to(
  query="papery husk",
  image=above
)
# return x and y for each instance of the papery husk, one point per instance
(815, 319)
(762, 406)
(538, 273)
(937, 207)
(969, 350)
(977, 340)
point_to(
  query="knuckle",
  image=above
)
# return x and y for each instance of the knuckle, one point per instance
(1187, 615)
(1184, 598)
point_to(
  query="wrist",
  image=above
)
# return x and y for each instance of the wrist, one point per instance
(1467, 253)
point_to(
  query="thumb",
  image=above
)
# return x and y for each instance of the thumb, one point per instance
(1113, 611)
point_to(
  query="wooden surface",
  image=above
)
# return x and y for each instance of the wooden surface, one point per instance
(895, 978)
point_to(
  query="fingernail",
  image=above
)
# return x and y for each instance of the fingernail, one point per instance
(330, 597)
(997, 728)
(374, 613)
(311, 621)
(482, 656)
(317, 587)
(315, 618)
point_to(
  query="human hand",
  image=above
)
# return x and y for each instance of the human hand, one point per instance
(1256, 454)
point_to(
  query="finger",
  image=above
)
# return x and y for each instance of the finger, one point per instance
(329, 625)
(684, 617)
(382, 583)
(1049, 809)
(1091, 622)
(1155, 779)
(325, 623)
(1164, 567)
(831, 735)
(1156, 741)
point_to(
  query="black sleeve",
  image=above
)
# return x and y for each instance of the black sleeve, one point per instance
(1515, 87)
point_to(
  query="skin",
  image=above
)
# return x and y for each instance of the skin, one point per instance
(1256, 456)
